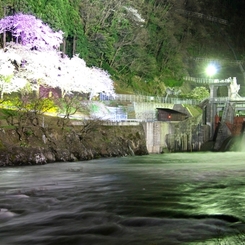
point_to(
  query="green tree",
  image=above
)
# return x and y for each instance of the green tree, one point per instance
(199, 93)
(111, 29)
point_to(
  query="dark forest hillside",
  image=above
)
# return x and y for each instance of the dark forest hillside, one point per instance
(147, 45)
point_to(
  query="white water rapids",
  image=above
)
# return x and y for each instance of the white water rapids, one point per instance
(179, 198)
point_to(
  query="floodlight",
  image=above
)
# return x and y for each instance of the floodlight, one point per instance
(211, 70)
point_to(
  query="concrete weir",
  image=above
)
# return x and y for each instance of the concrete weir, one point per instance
(155, 133)
(184, 136)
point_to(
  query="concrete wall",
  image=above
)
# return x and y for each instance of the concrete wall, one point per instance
(155, 133)
(183, 136)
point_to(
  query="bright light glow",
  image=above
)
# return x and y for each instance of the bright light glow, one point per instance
(211, 70)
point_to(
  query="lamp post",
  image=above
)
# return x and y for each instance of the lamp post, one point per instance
(211, 70)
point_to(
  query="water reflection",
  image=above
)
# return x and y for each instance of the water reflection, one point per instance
(155, 199)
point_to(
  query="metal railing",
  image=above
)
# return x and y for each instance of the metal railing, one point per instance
(206, 80)
(145, 98)
(219, 99)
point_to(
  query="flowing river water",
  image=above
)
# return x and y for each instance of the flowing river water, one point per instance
(178, 198)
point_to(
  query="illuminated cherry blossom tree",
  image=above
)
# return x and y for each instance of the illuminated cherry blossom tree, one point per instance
(70, 75)
(34, 58)
(100, 81)
(51, 68)
(31, 32)
(9, 83)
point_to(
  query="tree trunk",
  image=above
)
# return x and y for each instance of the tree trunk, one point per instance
(4, 33)
(1, 94)
(64, 45)
(4, 39)
(74, 46)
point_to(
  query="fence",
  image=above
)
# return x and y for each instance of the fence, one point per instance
(143, 98)
(207, 80)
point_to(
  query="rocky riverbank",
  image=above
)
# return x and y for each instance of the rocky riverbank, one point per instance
(34, 145)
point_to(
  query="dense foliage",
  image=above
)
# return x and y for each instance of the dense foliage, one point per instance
(147, 45)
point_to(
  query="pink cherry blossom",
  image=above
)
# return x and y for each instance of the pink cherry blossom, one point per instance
(34, 58)
(31, 32)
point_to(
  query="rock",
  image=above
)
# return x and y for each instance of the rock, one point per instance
(62, 146)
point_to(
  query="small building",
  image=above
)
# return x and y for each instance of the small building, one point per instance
(166, 114)
(48, 92)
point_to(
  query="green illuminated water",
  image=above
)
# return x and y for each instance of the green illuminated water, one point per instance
(182, 198)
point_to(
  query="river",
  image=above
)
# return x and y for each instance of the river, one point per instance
(178, 198)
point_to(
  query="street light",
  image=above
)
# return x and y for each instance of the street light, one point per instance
(211, 70)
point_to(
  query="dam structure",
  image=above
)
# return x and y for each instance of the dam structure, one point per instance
(171, 124)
